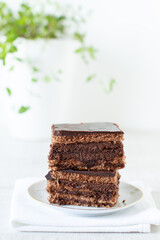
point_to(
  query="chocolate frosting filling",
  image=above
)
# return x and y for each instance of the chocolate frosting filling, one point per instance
(85, 157)
(91, 147)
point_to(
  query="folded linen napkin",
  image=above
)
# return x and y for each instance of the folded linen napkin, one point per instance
(29, 215)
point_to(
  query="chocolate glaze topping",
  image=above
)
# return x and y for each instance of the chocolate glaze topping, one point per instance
(85, 129)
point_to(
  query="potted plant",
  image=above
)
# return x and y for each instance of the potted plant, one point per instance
(37, 58)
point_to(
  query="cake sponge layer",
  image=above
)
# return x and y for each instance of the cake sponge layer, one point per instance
(85, 164)
(88, 176)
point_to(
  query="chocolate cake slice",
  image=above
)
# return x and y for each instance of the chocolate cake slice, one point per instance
(84, 160)
(83, 188)
(86, 146)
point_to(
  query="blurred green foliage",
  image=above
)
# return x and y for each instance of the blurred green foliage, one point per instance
(29, 24)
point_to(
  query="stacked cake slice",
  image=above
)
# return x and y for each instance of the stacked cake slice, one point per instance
(84, 160)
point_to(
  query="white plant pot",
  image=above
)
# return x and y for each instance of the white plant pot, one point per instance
(47, 99)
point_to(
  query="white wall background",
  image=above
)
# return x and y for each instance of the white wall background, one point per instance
(127, 36)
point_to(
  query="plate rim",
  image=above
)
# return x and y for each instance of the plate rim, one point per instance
(81, 209)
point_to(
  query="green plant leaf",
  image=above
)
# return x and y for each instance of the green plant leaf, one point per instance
(11, 68)
(47, 79)
(79, 50)
(19, 59)
(78, 36)
(34, 80)
(23, 109)
(86, 51)
(89, 78)
(9, 91)
(111, 84)
(12, 49)
(92, 51)
(35, 69)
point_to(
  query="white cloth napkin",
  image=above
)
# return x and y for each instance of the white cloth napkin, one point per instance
(29, 215)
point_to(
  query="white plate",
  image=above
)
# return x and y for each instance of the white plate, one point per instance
(129, 196)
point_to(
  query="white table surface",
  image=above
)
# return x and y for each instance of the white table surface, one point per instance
(20, 159)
